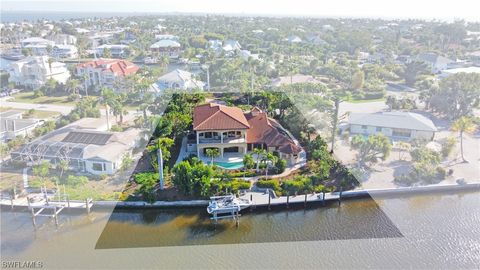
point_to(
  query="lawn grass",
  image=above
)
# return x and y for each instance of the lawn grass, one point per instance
(37, 114)
(365, 100)
(28, 97)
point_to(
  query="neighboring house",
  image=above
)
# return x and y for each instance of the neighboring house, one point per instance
(63, 39)
(167, 37)
(233, 131)
(12, 125)
(166, 47)
(105, 72)
(36, 41)
(435, 62)
(178, 79)
(298, 78)
(91, 151)
(396, 125)
(448, 72)
(294, 39)
(35, 71)
(38, 49)
(246, 54)
(64, 51)
(116, 50)
(230, 46)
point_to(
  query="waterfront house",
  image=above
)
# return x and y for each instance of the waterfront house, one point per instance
(35, 71)
(235, 132)
(36, 41)
(63, 39)
(116, 50)
(178, 79)
(86, 150)
(396, 125)
(166, 47)
(105, 72)
(64, 51)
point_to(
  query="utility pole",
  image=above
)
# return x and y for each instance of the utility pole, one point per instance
(160, 165)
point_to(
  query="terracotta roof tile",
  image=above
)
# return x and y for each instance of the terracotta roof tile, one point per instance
(115, 66)
(213, 116)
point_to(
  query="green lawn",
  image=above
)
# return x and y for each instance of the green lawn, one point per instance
(365, 100)
(28, 97)
(35, 115)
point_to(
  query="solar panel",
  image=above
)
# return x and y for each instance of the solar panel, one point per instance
(87, 138)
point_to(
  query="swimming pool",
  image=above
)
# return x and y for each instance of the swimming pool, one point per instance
(229, 165)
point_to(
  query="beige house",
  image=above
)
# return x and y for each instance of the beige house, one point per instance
(235, 132)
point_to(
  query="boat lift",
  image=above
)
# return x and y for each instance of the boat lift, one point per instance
(228, 206)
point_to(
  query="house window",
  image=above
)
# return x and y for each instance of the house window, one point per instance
(231, 134)
(379, 129)
(208, 135)
(398, 132)
(99, 167)
(364, 127)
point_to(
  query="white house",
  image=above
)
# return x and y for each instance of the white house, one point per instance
(91, 151)
(116, 50)
(35, 71)
(435, 62)
(178, 79)
(448, 72)
(396, 125)
(63, 39)
(36, 41)
(64, 51)
(12, 125)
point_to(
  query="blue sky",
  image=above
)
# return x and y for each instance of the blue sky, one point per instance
(426, 9)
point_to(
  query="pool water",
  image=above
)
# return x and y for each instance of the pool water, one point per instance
(229, 165)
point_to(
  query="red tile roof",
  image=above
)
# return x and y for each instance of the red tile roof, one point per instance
(266, 130)
(213, 116)
(260, 128)
(115, 66)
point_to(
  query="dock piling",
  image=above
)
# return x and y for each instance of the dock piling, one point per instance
(323, 198)
(288, 200)
(269, 198)
(340, 197)
(33, 218)
(305, 202)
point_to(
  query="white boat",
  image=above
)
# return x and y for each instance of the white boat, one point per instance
(228, 204)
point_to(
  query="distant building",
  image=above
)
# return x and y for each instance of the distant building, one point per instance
(85, 150)
(294, 39)
(64, 51)
(231, 46)
(12, 125)
(63, 39)
(35, 71)
(116, 50)
(178, 79)
(105, 72)
(167, 37)
(435, 62)
(448, 72)
(166, 47)
(36, 41)
(396, 125)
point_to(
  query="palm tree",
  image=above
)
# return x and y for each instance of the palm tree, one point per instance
(212, 153)
(107, 98)
(259, 152)
(73, 86)
(269, 157)
(463, 125)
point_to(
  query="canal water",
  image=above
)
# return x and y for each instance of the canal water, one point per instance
(427, 231)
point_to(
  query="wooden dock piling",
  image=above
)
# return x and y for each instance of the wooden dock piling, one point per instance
(305, 202)
(288, 200)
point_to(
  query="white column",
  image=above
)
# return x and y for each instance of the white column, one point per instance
(198, 146)
(221, 136)
(221, 151)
